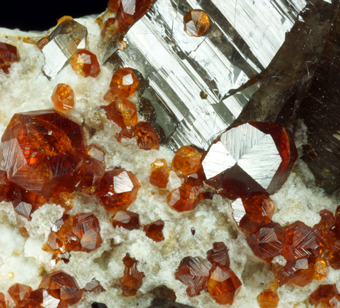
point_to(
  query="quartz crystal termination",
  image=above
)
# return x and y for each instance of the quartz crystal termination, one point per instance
(63, 43)
(250, 158)
(178, 68)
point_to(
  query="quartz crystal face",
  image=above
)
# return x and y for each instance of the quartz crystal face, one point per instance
(63, 43)
(250, 158)
(43, 150)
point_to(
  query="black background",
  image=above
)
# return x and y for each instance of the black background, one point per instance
(42, 15)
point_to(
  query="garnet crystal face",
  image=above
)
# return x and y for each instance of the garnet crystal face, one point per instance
(42, 151)
(254, 157)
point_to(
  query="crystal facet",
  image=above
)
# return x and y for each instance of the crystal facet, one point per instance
(85, 63)
(187, 160)
(268, 299)
(63, 97)
(196, 23)
(124, 83)
(154, 230)
(125, 219)
(184, 198)
(8, 55)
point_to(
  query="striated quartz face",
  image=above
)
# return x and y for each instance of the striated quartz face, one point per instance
(250, 158)
(42, 151)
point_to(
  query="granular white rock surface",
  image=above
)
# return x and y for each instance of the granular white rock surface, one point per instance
(22, 260)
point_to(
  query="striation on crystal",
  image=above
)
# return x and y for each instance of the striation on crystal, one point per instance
(219, 255)
(132, 279)
(43, 151)
(250, 158)
(63, 43)
(194, 272)
(19, 292)
(251, 212)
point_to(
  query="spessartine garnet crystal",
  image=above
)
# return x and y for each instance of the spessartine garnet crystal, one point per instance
(8, 55)
(250, 158)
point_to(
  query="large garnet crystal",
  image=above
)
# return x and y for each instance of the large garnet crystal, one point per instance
(254, 157)
(43, 151)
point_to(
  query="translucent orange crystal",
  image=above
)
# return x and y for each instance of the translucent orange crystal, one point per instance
(194, 272)
(125, 219)
(2, 300)
(268, 299)
(118, 189)
(160, 172)
(146, 135)
(24, 233)
(320, 268)
(187, 160)
(219, 255)
(251, 212)
(61, 19)
(85, 63)
(154, 230)
(326, 296)
(4, 186)
(132, 279)
(184, 198)
(62, 286)
(196, 23)
(8, 55)
(42, 42)
(122, 111)
(223, 285)
(19, 292)
(63, 97)
(124, 83)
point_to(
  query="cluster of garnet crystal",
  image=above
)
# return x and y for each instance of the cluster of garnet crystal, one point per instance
(57, 289)
(212, 274)
(123, 112)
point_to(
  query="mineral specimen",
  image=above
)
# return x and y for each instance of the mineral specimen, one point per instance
(132, 279)
(125, 219)
(250, 158)
(268, 299)
(154, 230)
(85, 63)
(63, 97)
(124, 83)
(185, 198)
(196, 23)
(326, 295)
(187, 160)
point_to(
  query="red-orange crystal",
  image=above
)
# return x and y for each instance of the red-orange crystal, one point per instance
(300, 242)
(187, 160)
(184, 198)
(326, 296)
(124, 83)
(85, 63)
(267, 242)
(196, 23)
(122, 111)
(63, 97)
(64, 199)
(160, 172)
(251, 212)
(19, 292)
(125, 219)
(132, 279)
(219, 255)
(62, 286)
(2, 301)
(194, 272)
(118, 189)
(146, 135)
(154, 230)
(128, 12)
(43, 151)
(4, 186)
(223, 285)
(8, 54)
(268, 299)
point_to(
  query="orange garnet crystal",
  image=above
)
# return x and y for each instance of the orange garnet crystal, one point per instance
(118, 189)
(184, 198)
(132, 279)
(63, 97)
(124, 83)
(268, 299)
(187, 160)
(125, 219)
(43, 151)
(19, 292)
(155, 230)
(326, 296)
(85, 63)
(62, 286)
(146, 135)
(196, 23)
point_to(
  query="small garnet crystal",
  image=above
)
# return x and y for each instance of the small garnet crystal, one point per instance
(146, 135)
(187, 160)
(185, 198)
(268, 299)
(154, 230)
(63, 97)
(250, 158)
(118, 189)
(8, 55)
(124, 83)
(196, 23)
(85, 63)
(132, 279)
(125, 219)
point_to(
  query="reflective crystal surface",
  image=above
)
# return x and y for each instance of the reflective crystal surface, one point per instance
(63, 43)
(250, 158)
